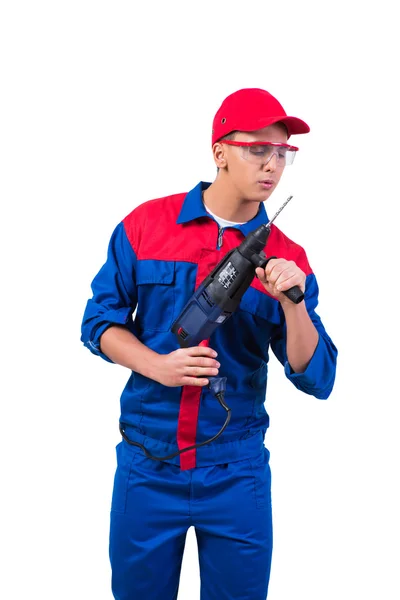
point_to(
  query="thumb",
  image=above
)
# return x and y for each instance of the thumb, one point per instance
(260, 272)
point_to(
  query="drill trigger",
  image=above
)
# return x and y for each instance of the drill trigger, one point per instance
(266, 260)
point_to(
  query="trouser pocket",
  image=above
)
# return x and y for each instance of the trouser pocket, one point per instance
(261, 478)
(125, 458)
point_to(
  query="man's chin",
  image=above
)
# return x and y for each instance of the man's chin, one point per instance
(262, 195)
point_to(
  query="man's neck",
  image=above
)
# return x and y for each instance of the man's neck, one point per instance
(226, 203)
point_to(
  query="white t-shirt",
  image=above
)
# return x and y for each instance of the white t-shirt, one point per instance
(223, 222)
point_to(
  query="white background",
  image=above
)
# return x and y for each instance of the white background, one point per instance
(107, 104)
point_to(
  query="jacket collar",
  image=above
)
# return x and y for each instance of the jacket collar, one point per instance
(193, 208)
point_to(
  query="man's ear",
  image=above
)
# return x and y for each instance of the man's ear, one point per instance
(219, 154)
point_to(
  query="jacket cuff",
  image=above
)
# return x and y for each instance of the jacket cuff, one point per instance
(111, 317)
(310, 380)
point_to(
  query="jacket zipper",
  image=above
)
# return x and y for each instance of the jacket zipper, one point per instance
(220, 234)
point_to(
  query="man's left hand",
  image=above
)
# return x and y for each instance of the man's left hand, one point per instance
(280, 275)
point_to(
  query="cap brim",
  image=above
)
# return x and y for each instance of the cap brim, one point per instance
(294, 125)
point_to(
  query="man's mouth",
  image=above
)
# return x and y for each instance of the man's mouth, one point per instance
(266, 183)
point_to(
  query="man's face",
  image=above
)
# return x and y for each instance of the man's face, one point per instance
(255, 182)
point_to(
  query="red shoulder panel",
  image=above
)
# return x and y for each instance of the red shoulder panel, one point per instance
(149, 224)
(283, 247)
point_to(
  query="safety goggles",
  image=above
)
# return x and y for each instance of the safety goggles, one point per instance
(260, 153)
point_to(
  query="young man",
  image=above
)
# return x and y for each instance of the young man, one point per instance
(221, 488)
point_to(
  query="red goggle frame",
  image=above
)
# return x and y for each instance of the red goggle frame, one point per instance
(235, 143)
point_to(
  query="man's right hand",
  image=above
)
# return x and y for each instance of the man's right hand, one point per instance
(186, 366)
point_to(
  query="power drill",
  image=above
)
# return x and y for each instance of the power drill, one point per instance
(215, 300)
(218, 296)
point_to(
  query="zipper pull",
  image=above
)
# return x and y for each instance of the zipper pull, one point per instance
(220, 234)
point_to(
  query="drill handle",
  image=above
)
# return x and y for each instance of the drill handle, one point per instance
(294, 293)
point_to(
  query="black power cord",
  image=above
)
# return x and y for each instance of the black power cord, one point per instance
(217, 386)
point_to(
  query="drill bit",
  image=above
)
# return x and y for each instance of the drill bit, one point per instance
(277, 213)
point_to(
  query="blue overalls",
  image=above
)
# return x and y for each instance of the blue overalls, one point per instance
(158, 255)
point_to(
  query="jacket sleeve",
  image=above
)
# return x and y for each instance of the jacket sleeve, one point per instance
(319, 376)
(114, 292)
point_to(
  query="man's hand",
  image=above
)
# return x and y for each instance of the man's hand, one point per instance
(280, 275)
(186, 366)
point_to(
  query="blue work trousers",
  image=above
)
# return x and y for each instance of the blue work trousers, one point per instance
(153, 505)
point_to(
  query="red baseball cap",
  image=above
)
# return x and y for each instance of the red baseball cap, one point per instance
(250, 109)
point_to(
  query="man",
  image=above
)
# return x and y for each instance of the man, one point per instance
(158, 255)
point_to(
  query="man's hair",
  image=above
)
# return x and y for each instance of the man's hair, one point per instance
(229, 136)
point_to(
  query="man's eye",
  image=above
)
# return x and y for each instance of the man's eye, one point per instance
(258, 150)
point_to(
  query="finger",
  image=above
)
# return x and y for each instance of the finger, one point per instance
(200, 371)
(280, 277)
(201, 361)
(194, 381)
(275, 267)
(201, 351)
(286, 282)
(291, 274)
(261, 274)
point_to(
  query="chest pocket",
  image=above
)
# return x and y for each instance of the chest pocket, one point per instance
(155, 280)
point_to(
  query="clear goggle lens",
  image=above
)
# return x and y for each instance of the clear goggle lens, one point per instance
(260, 153)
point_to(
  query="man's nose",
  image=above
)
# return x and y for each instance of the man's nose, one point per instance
(272, 163)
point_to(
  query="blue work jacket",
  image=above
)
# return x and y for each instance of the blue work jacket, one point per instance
(157, 256)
